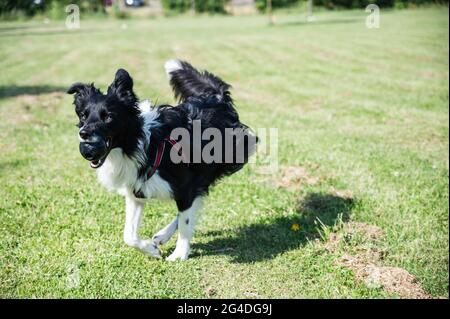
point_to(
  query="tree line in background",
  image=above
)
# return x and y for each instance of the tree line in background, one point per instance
(218, 6)
(215, 6)
(55, 8)
(348, 4)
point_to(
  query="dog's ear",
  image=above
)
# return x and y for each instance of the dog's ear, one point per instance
(78, 88)
(82, 92)
(122, 87)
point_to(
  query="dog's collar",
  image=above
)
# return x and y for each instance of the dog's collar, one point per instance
(158, 158)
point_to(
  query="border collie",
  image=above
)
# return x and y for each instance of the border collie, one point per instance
(132, 146)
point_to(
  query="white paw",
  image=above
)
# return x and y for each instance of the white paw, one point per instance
(178, 254)
(161, 238)
(164, 235)
(150, 249)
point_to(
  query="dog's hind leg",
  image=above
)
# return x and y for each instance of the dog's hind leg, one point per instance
(186, 222)
(133, 218)
(164, 235)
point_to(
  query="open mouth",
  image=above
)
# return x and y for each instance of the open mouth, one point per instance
(98, 163)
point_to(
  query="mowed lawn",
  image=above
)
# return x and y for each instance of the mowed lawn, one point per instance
(362, 187)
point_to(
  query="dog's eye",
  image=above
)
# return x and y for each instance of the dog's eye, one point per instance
(107, 118)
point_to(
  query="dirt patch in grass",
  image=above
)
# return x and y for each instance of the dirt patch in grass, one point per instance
(48, 101)
(292, 178)
(392, 279)
(26, 105)
(210, 292)
(370, 232)
(365, 262)
(366, 231)
(344, 194)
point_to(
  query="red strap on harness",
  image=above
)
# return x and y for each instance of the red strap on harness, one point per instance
(160, 153)
(177, 147)
(158, 159)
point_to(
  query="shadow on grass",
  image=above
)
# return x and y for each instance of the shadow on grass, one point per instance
(267, 239)
(43, 32)
(14, 90)
(23, 27)
(13, 164)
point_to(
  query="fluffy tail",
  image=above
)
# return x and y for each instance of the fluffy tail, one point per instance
(187, 82)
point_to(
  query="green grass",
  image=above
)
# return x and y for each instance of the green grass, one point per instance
(363, 111)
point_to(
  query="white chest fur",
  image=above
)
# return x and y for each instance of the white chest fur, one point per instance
(120, 173)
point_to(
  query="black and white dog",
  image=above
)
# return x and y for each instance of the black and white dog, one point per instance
(132, 145)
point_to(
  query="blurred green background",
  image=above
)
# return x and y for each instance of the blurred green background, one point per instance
(357, 209)
(12, 9)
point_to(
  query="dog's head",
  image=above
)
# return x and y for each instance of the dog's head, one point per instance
(104, 118)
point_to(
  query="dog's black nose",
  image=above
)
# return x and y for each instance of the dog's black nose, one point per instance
(84, 134)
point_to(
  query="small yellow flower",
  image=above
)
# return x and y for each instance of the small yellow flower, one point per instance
(295, 227)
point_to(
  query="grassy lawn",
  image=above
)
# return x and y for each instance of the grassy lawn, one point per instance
(363, 133)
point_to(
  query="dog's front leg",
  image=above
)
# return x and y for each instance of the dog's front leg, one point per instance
(186, 222)
(134, 210)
